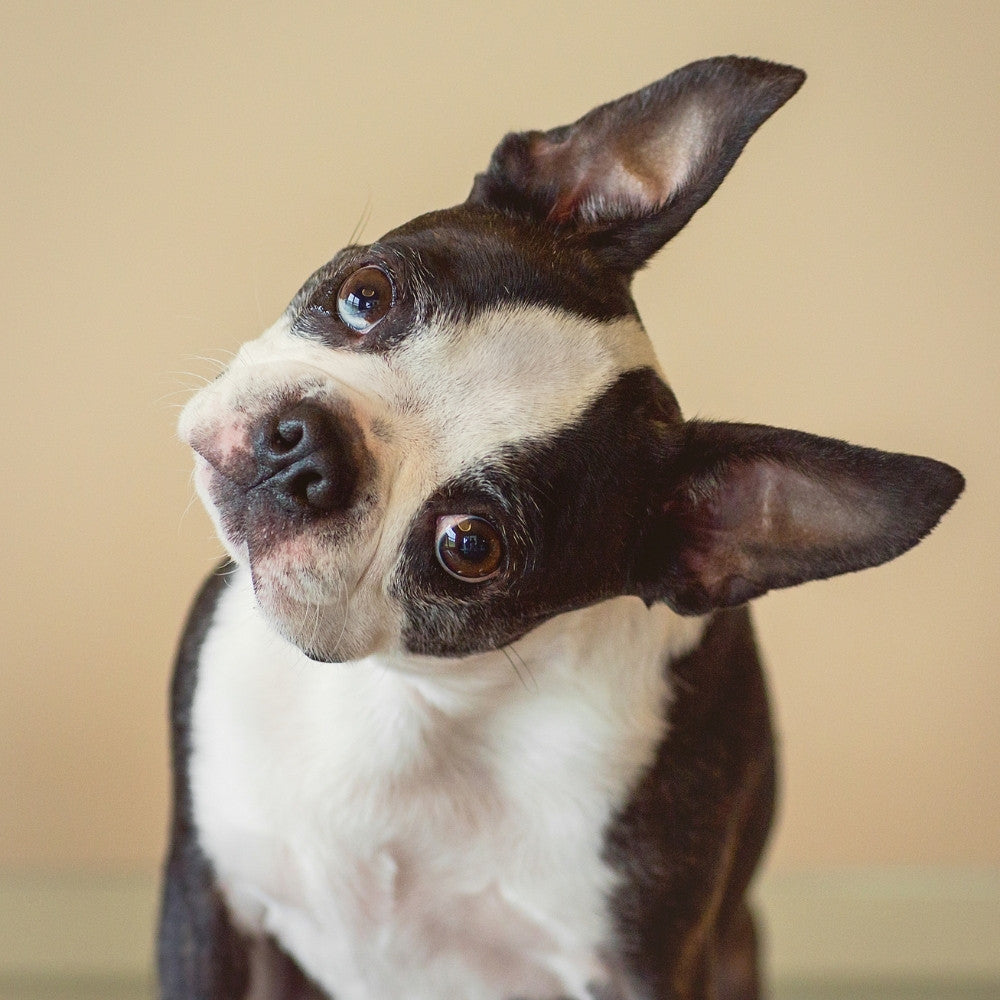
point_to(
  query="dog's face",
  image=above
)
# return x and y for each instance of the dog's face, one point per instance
(472, 393)
(459, 431)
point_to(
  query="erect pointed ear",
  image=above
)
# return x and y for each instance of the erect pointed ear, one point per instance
(631, 173)
(744, 509)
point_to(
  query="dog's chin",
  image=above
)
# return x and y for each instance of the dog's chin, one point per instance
(326, 622)
(323, 635)
(339, 654)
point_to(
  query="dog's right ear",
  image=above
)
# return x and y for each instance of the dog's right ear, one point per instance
(742, 509)
(629, 174)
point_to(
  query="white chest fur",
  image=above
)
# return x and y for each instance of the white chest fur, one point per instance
(431, 829)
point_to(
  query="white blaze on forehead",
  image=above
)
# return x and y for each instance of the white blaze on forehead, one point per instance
(513, 375)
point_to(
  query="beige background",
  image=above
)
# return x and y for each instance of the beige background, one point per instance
(170, 173)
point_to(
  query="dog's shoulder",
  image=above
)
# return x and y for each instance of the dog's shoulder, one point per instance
(184, 679)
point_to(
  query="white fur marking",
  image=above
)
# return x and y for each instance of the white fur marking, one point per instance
(423, 835)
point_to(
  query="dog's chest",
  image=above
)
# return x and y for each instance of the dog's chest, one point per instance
(400, 842)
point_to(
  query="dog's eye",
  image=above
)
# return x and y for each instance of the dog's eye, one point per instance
(364, 298)
(469, 547)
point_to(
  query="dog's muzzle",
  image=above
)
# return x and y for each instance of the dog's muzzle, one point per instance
(270, 475)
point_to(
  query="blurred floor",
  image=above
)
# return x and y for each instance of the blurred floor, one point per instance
(131, 989)
(69, 989)
(888, 990)
(831, 935)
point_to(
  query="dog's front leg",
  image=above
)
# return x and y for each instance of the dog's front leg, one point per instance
(201, 955)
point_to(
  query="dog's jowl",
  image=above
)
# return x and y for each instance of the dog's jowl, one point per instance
(473, 711)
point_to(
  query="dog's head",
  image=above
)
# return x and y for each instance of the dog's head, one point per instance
(460, 431)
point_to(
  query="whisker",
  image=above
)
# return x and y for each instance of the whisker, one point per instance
(317, 618)
(184, 513)
(524, 663)
(216, 363)
(191, 381)
(186, 390)
(199, 379)
(366, 214)
(304, 616)
(510, 659)
(346, 597)
(191, 502)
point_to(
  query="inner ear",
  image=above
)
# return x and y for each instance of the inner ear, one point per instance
(632, 172)
(746, 509)
(617, 168)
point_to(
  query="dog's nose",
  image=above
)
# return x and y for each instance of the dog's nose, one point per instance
(306, 459)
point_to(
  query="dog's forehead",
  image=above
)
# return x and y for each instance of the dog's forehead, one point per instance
(473, 260)
(462, 261)
(516, 373)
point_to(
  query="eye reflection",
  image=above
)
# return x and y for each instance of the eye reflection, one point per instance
(469, 547)
(364, 298)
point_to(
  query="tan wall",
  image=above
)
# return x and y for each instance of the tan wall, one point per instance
(170, 175)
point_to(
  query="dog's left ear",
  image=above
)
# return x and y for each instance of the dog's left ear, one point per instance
(741, 509)
(629, 174)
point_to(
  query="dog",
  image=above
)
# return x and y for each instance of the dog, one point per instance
(474, 710)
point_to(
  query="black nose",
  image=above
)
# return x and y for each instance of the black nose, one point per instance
(306, 459)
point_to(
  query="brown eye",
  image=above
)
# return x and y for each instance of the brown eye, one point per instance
(364, 298)
(469, 547)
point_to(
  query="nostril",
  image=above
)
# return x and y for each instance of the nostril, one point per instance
(308, 487)
(305, 459)
(286, 435)
(284, 438)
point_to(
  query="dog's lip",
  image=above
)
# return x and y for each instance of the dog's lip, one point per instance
(233, 460)
(206, 469)
(203, 470)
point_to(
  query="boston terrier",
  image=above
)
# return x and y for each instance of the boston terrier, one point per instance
(474, 710)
